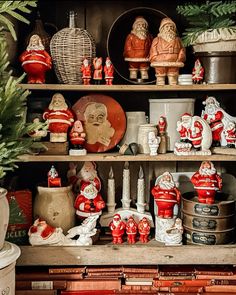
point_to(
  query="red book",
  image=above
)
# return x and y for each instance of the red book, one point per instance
(90, 292)
(45, 285)
(167, 270)
(224, 282)
(104, 269)
(93, 285)
(64, 270)
(43, 276)
(210, 277)
(214, 270)
(179, 283)
(220, 288)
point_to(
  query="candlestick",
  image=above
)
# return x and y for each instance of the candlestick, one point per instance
(140, 187)
(111, 192)
(126, 187)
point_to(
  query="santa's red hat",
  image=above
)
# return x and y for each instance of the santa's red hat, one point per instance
(186, 115)
(86, 184)
(139, 19)
(166, 21)
(117, 216)
(47, 231)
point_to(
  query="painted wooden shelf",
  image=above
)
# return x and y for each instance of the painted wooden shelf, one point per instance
(116, 157)
(68, 87)
(151, 253)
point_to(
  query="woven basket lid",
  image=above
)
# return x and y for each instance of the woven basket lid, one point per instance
(68, 49)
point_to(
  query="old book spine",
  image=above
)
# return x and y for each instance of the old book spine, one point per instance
(209, 277)
(37, 276)
(224, 282)
(220, 288)
(95, 274)
(140, 270)
(36, 292)
(186, 289)
(63, 270)
(194, 283)
(140, 275)
(93, 285)
(39, 285)
(175, 278)
(214, 273)
(102, 269)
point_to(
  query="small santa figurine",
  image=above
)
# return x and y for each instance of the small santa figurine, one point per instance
(77, 138)
(53, 179)
(97, 73)
(89, 202)
(59, 118)
(166, 195)
(117, 227)
(162, 125)
(86, 71)
(198, 72)
(109, 71)
(87, 173)
(206, 182)
(230, 134)
(153, 143)
(35, 60)
(131, 230)
(144, 230)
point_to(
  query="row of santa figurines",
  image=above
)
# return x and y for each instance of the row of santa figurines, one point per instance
(89, 205)
(198, 134)
(140, 49)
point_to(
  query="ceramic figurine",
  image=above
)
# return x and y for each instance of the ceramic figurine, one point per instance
(59, 118)
(87, 173)
(167, 53)
(97, 73)
(136, 49)
(89, 201)
(230, 134)
(35, 60)
(77, 139)
(41, 130)
(117, 227)
(194, 133)
(86, 72)
(108, 71)
(206, 182)
(41, 233)
(198, 72)
(162, 125)
(174, 234)
(131, 230)
(166, 195)
(53, 179)
(218, 119)
(153, 143)
(144, 230)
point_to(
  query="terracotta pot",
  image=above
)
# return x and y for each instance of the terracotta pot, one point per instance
(4, 216)
(56, 206)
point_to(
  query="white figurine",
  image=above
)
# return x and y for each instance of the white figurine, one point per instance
(153, 143)
(173, 235)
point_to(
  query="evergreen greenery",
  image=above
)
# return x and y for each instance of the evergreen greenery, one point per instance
(208, 16)
(13, 129)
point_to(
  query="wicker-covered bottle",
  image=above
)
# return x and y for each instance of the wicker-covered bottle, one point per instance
(68, 49)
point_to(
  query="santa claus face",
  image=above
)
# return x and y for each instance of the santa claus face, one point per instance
(166, 182)
(186, 121)
(85, 62)
(168, 32)
(58, 102)
(140, 29)
(207, 168)
(90, 192)
(78, 126)
(88, 171)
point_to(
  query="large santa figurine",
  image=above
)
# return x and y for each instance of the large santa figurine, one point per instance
(35, 60)
(206, 182)
(136, 49)
(59, 118)
(89, 202)
(117, 227)
(166, 195)
(131, 230)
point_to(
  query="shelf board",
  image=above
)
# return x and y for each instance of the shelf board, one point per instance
(151, 253)
(115, 157)
(73, 87)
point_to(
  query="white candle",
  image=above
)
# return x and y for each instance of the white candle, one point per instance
(126, 183)
(111, 188)
(140, 188)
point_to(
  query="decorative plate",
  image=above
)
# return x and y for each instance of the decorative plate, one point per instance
(104, 121)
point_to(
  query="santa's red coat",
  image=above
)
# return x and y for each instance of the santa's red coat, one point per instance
(86, 207)
(117, 230)
(216, 124)
(59, 121)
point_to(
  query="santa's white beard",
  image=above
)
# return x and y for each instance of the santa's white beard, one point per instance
(141, 34)
(90, 195)
(87, 175)
(207, 171)
(186, 125)
(61, 107)
(35, 47)
(167, 36)
(116, 223)
(96, 132)
(166, 184)
(211, 109)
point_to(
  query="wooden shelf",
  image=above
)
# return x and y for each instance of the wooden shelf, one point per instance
(116, 157)
(68, 87)
(151, 253)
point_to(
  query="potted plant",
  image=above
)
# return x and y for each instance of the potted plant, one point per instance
(212, 33)
(13, 130)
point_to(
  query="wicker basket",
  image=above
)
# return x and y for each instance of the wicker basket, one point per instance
(68, 49)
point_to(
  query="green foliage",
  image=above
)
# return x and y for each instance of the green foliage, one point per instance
(208, 16)
(13, 129)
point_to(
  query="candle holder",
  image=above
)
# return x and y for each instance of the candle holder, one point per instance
(126, 203)
(111, 207)
(141, 207)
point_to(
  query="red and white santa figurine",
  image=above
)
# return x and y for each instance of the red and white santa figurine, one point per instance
(131, 230)
(97, 73)
(214, 115)
(77, 139)
(198, 72)
(166, 195)
(35, 60)
(53, 177)
(117, 227)
(162, 125)
(89, 202)
(144, 230)
(230, 134)
(59, 118)
(206, 182)
(86, 71)
(108, 71)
